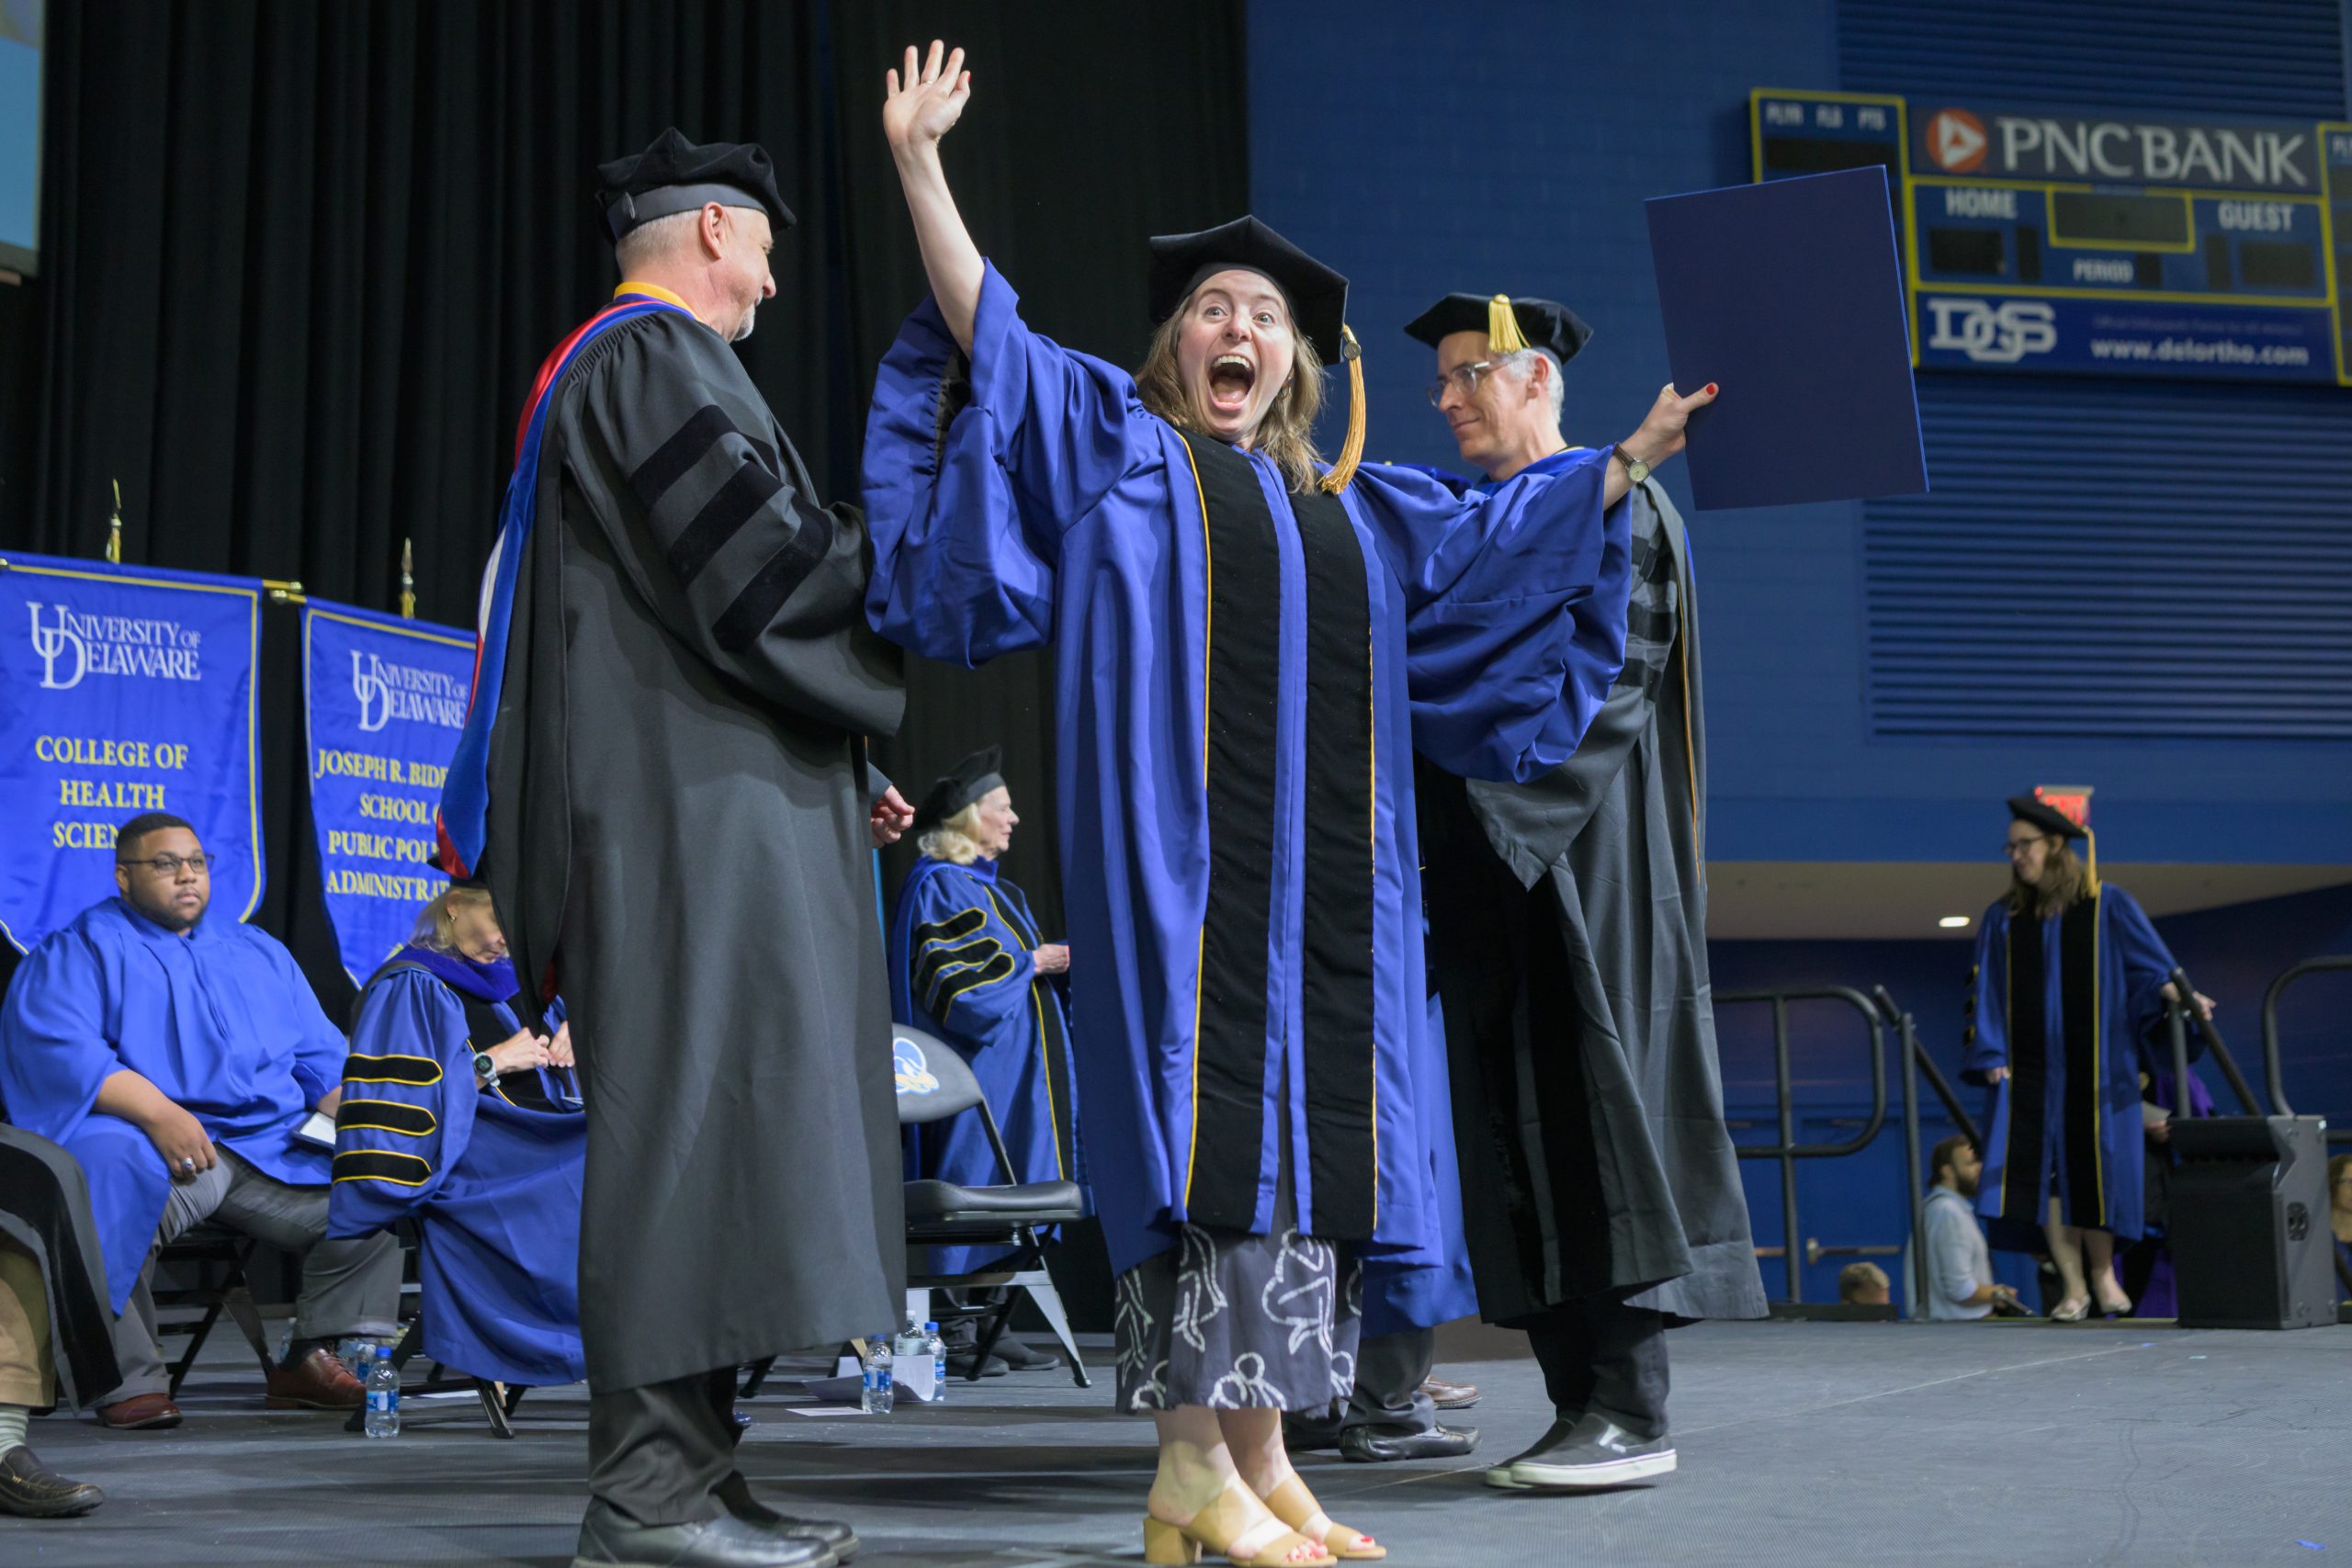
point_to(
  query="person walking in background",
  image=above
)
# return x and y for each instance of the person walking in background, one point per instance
(2070, 979)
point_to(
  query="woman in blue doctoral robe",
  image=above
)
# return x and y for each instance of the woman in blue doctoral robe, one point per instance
(2069, 984)
(490, 1163)
(1247, 649)
(969, 965)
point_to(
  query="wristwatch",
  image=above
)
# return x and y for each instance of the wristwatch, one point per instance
(485, 1068)
(1636, 470)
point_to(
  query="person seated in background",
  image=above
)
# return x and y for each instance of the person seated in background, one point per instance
(967, 964)
(461, 1107)
(176, 1058)
(1863, 1284)
(1960, 1263)
(49, 1250)
(2340, 1197)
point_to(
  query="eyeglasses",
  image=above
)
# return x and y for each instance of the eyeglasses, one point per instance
(169, 865)
(1463, 379)
(2013, 848)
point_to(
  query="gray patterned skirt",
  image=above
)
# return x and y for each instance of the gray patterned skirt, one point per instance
(1239, 1322)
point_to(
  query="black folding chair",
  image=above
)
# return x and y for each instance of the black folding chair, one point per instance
(223, 1253)
(934, 1085)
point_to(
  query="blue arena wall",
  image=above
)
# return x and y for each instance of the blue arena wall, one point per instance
(1509, 144)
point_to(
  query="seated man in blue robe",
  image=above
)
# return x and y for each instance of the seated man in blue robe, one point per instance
(969, 965)
(176, 1058)
(459, 1108)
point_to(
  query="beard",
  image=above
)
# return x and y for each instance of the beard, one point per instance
(1966, 1185)
(743, 327)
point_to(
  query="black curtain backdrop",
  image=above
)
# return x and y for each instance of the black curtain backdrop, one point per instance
(302, 260)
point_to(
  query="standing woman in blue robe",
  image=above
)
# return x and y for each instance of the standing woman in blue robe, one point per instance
(1238, 630)
(2070, 981)
(969, 965)
(459, 1110)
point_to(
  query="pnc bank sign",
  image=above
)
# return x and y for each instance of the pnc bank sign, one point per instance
(2001, 144)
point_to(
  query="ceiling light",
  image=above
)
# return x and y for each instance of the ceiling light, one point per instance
(1953, 923)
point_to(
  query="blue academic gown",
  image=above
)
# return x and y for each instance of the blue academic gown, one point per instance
(497, 1184)
(961, 967)
(220, 1019)
(1055, 509)
(2086, 1124)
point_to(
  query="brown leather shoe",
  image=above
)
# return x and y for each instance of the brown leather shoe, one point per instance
(1450, 1395)
(30, 1490)
(318, 1382)
(140, 1412)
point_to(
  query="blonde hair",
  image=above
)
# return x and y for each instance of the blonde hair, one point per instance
(1285, 433)
(1856, 1278)
(436, 923)
(956, 839)
(2063, 885)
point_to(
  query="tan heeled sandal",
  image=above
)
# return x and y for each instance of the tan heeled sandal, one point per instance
(1234, 1515)
(1293, 1504)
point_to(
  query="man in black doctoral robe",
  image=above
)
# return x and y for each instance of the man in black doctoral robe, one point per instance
(1567, 923)
(663, 781)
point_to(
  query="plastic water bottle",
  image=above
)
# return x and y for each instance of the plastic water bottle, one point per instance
(936, 1348)
(383, 1383)
(876, 1389)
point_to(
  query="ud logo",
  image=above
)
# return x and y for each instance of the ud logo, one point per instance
(375, 694)
(1992, 334)
(1956, 140)
(911, 1067)
(54, 642)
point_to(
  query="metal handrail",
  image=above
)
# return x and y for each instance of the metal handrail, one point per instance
(1915, 1060)
(2183, 1003)
(1788, 1151)
(2274, 1067)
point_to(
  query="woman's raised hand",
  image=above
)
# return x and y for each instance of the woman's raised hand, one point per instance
(926, 99)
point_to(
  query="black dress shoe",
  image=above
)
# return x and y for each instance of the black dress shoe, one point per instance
(736, 1494)
(30, 1490)
(1386, 1445)
(609, 1540)
(1589, 1452)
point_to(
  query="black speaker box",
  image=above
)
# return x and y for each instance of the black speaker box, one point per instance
(2251, 1242)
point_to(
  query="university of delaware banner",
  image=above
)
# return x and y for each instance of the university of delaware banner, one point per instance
(384, 700)
(123, 690)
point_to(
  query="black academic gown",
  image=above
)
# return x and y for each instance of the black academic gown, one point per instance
(1568, 928)
(677, 828)
(45, 1208)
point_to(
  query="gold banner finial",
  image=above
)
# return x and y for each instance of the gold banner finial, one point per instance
(114, 528)
(408, 581)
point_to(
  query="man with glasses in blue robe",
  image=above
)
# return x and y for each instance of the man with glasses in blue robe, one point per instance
(178, 1058)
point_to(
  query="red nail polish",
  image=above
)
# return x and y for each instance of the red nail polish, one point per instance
(1711, 389)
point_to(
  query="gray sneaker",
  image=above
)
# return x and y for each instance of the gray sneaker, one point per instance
(1584, 1455)
(607, 1539)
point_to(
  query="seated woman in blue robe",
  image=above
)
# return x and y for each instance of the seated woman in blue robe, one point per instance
(459, 1110)
(969, 965)
(1237, 632)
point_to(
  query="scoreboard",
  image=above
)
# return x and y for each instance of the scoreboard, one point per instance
(2101, 242)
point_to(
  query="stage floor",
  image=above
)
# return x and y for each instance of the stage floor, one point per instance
(1801, 1444)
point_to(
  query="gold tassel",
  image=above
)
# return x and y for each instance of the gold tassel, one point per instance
(1503, 336)
(2090, 872)
(1352, 450)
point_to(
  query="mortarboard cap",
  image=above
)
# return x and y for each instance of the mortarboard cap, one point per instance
(965, 782)
(1318, 297)
(2048, 819)
(1510, 325)
(677, 175)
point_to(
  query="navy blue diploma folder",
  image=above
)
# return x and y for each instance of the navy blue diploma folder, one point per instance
(1788, 295)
